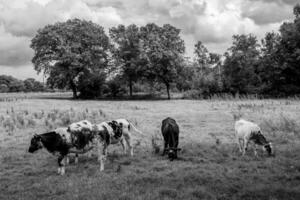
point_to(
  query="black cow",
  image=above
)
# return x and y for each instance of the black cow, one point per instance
(170, 132)
(58, 142)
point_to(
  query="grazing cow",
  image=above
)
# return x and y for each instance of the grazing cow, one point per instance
(246, 132)
(170, 132)
(60, 141)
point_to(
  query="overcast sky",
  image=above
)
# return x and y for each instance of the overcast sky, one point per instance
(211, 21)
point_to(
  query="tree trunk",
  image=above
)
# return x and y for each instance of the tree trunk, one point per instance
(168, 90)
(74, 89)
(130, 88)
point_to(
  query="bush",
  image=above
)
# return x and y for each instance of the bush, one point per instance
(114, 88)
(193, 94)
(91, 85)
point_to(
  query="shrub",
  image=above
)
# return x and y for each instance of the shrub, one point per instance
(114, 88)
(91, 85)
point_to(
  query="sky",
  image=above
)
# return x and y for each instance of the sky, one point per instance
(212, 22)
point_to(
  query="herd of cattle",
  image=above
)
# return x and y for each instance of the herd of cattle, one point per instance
(82, 137)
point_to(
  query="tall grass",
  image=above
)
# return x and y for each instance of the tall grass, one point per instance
(281, 123)
(13, 120)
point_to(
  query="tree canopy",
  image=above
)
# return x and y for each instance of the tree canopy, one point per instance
(163, 49)
(67, 50)
(127, 51)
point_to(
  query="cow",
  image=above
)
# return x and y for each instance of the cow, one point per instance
(83, 132)
(58, 142)
(114, 132)
(170, 132)
(105, 134)
(246, 132)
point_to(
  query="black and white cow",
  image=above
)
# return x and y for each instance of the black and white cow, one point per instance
(59, 142)
(107, 133)
(170, 132)
(246, 132)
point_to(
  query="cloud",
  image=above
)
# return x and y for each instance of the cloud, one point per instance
(25, 19)
(289, 2)
(14, 51)
(264, 12)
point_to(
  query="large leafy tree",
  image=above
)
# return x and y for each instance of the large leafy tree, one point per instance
(127, 51)
(163, 49)
(65, 51)
(269, 68)
(289, 51)
(240, 66)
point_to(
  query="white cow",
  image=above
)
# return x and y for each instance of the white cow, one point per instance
(245, 132)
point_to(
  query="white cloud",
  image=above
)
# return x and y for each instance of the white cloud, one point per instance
(14, 50)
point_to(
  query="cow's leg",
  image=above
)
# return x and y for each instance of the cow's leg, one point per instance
(67, 159)
(76, 158)
(255, 150)
(176, 147)
(239, 142)
(165, 147)
(245, 146)
(123, 143)
(129, 143)
(101, 154)
(61, 164)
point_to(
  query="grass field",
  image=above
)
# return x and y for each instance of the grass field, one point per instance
(210, 166)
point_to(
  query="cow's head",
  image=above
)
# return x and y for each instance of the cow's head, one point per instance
(172, 153)
(35, 144)
(269, 149)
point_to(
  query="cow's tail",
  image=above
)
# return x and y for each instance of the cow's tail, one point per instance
(133, 127)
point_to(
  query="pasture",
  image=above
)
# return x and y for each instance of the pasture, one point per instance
(209, 167)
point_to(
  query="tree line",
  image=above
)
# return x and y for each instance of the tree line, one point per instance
(11, 84)
(80, 56)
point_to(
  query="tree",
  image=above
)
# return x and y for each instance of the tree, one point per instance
(127, 51)
(201, 55)
(29, 85)
(269, 69)
(91, 85)
(13, 84)
(239, 70)
(163, 49)
(67, 50)
(289, 52)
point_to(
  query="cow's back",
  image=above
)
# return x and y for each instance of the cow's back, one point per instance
(169, 126)
(244, 128)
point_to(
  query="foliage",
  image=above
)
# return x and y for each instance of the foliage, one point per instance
(91, 85)
(127, 51)
(115, 87)
(77, 55)
(11, 84)
(163, 49)
(239, 70)
(67, 50)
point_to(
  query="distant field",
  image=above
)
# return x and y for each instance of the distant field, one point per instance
(210, 166)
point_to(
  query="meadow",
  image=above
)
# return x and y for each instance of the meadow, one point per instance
(209, 165)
